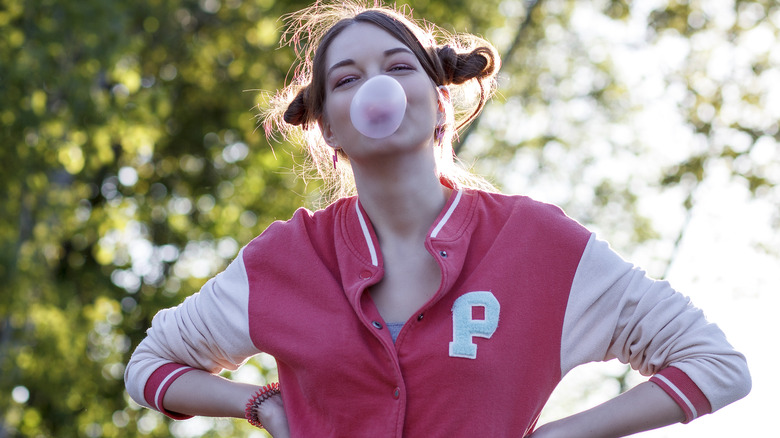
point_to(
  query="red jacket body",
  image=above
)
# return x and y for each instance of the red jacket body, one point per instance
(526, 294)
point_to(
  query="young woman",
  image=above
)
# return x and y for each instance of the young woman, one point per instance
(427, 305)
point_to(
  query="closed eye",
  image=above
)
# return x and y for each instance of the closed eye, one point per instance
(400, 67)
(345, 80)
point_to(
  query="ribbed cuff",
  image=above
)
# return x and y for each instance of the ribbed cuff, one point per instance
(159, 382)
(684, 391)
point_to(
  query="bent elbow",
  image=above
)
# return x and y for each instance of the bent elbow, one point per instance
(743, 382)
(135, 379)
(734, 382)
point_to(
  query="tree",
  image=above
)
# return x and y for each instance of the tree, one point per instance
(133, 168)
(569, 107)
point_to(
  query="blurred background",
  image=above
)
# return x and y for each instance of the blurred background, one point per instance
(133, 169)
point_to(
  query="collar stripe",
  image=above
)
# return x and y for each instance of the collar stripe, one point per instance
(367, 235)
(447, 215)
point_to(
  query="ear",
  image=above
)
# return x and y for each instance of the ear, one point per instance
(444, 94)
(327, 133)
(444, 103)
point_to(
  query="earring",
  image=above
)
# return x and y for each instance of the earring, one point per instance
(335, 158)
(438, 134)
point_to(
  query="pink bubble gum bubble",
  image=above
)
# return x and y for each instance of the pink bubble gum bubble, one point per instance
(378, 107)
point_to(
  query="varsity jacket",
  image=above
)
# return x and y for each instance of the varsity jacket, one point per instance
(526, 295)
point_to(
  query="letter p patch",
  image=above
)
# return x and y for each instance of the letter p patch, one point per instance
(465, 327)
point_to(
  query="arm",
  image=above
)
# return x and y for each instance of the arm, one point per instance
(644, 407)
(225, 399)
(174, 369)
(616, 311)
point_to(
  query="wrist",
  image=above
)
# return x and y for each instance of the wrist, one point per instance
(251, 413)
(644, 407)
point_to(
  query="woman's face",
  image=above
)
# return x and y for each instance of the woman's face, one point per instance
(360, 52)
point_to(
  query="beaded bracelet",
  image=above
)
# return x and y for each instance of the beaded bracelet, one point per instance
(254, 402)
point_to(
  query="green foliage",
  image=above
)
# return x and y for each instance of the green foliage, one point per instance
(133, 168)
(566, 107)
(725, 104)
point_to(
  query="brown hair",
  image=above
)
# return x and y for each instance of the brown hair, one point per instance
(465, 63)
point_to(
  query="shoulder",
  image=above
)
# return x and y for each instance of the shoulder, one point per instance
(305, 227)
(527, 212)
(528, 204)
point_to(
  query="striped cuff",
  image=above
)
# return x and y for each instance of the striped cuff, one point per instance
(684, 391)
(159, 382)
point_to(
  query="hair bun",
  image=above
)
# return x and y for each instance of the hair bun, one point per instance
(297, 113)
(458, 68)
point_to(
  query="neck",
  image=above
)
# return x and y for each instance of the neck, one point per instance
(402, 195)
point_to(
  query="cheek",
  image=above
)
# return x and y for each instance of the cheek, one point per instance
(424, 102)
(336, 112)
(335, 107)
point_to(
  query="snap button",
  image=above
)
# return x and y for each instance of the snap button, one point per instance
(420, 317)
(397, 393)
(443, 254)
(377, 324)
(365, 274)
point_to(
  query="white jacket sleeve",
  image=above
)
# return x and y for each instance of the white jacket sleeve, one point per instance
(208, 331)
(616, 311)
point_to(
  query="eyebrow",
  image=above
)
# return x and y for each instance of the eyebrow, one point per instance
(350, 61)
